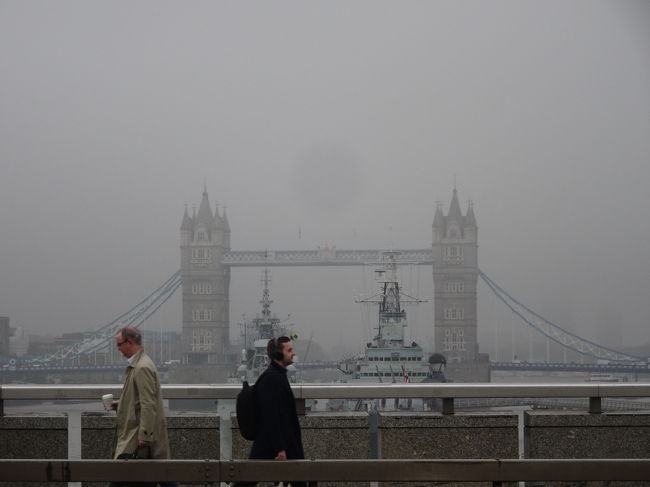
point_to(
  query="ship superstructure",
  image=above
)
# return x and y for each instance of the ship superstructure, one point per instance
(388, 358)
(256, 333)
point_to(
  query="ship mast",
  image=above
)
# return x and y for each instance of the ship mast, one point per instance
(267, 323)
(266, 294)
(392, 317)
(390, 301)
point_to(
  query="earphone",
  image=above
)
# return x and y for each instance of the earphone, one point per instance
(275, 349)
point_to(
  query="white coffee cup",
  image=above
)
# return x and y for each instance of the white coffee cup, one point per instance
(107, 400)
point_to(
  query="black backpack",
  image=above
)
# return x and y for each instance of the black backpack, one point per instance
(246, 413)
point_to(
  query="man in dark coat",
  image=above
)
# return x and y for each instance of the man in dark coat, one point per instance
(279, 435)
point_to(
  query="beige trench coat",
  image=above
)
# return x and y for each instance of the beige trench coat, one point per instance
(140, 412)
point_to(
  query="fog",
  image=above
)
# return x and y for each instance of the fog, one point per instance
(337, 123)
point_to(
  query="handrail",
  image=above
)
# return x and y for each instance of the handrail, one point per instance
(446, 392)
(338, 391)
(212, 471)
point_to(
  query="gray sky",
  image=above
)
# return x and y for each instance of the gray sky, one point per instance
(347, 120)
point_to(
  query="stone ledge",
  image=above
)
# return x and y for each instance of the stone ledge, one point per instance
(437, 420)
(549, 419)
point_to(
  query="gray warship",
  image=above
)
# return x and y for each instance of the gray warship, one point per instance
(256, 333)
(388, 358)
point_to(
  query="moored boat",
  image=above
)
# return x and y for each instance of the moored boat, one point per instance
(389, 358)
(256, 333)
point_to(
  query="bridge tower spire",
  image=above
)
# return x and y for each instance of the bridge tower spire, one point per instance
(206, 281)
(455, 275)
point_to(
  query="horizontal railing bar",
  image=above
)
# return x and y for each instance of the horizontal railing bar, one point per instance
(325, 470)
(338, 391)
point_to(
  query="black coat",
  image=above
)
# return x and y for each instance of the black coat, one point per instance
(277, 417)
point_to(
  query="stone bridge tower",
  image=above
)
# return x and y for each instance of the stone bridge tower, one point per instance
(205, 236)
(455, 275)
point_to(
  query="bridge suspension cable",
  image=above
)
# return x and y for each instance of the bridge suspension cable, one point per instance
(102, 337)
(554, 332)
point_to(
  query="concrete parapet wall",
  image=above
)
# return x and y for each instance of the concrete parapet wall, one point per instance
(191, 436)
(403, 435)
(324, 436)
(194, 436)
(431, 435)
(97, 435)
(583, 435)
(437, 436)
(553, 434)
(335, 435)
(32, 436)
(348, 435)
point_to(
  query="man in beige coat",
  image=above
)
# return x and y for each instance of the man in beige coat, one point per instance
(140, 412)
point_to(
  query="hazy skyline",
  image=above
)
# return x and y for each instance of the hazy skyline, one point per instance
(326, 123)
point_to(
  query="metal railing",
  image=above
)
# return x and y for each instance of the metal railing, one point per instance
(446, 392)
(405, 470)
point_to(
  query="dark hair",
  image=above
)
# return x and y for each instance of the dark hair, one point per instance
(132, 334)
(275, 347)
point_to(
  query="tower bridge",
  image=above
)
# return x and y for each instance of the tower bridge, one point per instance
(204, 276)
(207, 260)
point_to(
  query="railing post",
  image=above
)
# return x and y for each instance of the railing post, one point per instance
(447, 405)
(373, 432)
(374, 439)
(2, 407)
(595, 405)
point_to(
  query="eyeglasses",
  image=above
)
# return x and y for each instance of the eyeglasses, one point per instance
(119, 344)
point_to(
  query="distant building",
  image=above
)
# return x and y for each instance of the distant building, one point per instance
(41, 345)
(163, 346)
(68, 339)
(4, 336)
(18, 342)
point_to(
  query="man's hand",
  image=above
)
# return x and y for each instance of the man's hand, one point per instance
(282, 455)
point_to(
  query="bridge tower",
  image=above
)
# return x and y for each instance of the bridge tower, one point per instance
(205, 236)
(455, 275)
